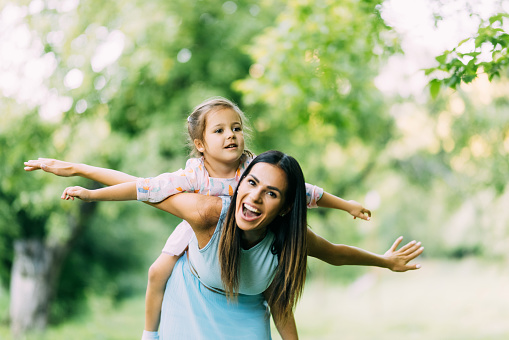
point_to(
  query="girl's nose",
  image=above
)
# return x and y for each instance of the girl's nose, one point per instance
(230, 133)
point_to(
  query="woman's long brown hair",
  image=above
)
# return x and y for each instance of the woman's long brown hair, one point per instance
(289, 245)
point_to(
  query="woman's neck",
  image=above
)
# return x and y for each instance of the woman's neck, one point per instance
(251, 238)
(221, 170)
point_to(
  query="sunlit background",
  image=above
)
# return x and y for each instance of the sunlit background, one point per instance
(340, 85)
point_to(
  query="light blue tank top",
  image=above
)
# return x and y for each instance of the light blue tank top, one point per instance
(258, 264)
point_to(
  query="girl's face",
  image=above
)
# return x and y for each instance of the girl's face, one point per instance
(260, 198)
(223, 138)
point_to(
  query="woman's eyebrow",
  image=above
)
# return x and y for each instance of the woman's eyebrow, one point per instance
(254, 177)
(268, 186)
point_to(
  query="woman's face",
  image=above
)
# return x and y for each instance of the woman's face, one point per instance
(260, 198)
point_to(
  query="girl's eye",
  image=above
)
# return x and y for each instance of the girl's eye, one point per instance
(218, 131)
(237, 129)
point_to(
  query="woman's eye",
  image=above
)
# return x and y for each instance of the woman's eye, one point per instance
(251, 182)
(272, 194)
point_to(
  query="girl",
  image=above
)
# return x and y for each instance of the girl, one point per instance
(216, 136)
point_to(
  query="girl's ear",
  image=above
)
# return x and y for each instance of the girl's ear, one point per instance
(199, 145)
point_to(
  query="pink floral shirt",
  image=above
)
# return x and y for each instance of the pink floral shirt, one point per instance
(195, 178)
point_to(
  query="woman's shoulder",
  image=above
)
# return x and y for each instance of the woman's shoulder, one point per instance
(217, 212)
(207, 212)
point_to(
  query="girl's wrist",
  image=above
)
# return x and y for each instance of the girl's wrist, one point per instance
(79, 169)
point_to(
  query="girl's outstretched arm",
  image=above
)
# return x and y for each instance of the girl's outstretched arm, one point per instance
(339, 254)
(201, 211)
(354, 208)
(68, 169)
(119, 192)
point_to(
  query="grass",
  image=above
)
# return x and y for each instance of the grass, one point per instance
(443, 300)
(467, 300)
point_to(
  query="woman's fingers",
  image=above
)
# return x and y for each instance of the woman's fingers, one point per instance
(416, 252)
(409, 247)
(396, 244)
(413, 267)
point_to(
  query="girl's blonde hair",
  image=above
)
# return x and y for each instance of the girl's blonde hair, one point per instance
(197, 121)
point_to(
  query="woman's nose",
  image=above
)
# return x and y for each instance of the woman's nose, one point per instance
(256, 194)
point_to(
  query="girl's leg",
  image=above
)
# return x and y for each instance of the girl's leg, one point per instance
(158, 275)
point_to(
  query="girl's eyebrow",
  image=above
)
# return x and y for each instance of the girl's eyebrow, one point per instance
(221, 124)
(269, 186)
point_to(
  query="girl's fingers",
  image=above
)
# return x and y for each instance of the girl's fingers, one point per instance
(31, 165)
(365, 216)
(68, 194)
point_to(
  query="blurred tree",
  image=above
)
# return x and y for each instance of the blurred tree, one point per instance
(311, 93)
(108, 84)
(468, 154)
(313, 72)
(462, 168)
(484, 53)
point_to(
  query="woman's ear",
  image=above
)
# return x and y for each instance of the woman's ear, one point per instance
(199, 145)
(285, 211)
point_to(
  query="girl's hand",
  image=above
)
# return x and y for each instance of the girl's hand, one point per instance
(54, 166)
(398, 259)
(359, 211)
(79, 192)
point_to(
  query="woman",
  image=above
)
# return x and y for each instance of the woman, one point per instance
(259, 246)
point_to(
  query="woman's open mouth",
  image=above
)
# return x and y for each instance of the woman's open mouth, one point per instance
(250, 213)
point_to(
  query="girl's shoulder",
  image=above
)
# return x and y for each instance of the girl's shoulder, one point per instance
(246, 159)
(195, 163)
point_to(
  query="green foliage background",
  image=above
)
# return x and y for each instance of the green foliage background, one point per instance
(304, 72)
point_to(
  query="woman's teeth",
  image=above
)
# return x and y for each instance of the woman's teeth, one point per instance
(250, 211)
(250, 208)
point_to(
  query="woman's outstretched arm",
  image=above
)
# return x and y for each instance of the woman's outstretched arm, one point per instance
(339, 254)
(68, 169)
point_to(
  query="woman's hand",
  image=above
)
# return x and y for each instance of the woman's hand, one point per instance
(54, 166)
(357, 210)
(79, 192)
(398, 259)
